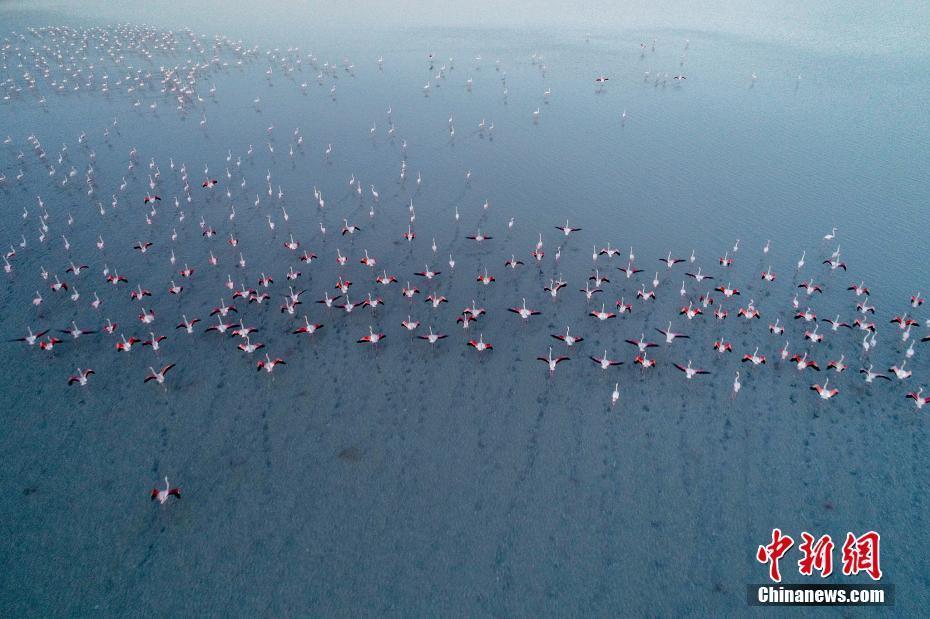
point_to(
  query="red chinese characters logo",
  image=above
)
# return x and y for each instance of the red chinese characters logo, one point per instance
(773, 552)
(859, 554)
(817, 555)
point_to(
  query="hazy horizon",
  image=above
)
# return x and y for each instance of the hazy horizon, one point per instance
(832, 27)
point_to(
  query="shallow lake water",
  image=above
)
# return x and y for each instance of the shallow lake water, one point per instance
(409, 479)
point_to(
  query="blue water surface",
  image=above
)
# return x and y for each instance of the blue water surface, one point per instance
(410, 480)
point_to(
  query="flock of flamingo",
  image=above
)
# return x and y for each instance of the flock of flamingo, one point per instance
(155, 207)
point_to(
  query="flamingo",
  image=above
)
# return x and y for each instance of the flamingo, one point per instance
(80, 377)
(602, 315)
(604, 362)
(372, 337)
(269, 364)
(919, 399)
(187, 325)
(670, 335)
(689, 371)
(567, 337)
(480, 345)
(755, 358)
(642, 344)
(162, 495)
(552, 362)
(566, 229)
(669, 261)
(158, 376)
(803, 363)
(824, 391)
(899, 370)
(431, 337)
(838, 366)
(871, 376)
(30, 338)
(523, 312)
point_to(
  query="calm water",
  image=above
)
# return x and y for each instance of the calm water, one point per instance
(418, 481)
